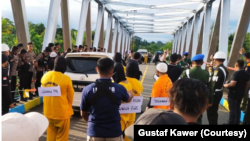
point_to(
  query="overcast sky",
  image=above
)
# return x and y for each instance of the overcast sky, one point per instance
(37, 12)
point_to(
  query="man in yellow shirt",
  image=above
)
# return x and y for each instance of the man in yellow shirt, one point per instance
(58, 109)
(162, 86)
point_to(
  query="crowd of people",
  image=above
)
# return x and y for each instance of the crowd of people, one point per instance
(24, 67)
(190, 89)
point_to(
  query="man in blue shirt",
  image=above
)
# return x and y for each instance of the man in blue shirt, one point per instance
(100, 104)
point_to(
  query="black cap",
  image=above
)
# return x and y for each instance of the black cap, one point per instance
(48, 49)
(156, 117)
(4, 58)
(20, 45)
(23, 51)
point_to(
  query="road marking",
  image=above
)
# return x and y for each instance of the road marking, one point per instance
(144, 74)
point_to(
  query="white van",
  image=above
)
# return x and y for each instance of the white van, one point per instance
(81, 69)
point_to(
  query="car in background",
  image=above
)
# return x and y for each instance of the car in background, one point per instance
(81, 69)
(142, 52)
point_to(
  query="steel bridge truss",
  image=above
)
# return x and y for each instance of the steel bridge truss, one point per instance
(129, 18)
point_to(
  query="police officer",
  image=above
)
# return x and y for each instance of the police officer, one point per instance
(220, 75)
(41, 65)
(202, 75)
(7, 101)
(30, 56)
(23, 73)
(187, 61)
(6, 51)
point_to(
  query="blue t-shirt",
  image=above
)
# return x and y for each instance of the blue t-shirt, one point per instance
(104, 116)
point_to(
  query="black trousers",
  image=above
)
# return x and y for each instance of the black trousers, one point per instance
(39, 76)
(235, 111)
(212, 112)
(5, 109)
(23, 83)
(13, 87)
(246, 120)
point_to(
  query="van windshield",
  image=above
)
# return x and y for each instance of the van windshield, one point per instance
(143, 53)
(81, 65)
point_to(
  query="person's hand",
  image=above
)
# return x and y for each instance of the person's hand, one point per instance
(146, 108)
(225, 85)
(242, 50)
(22, 63)
(211, 57)
(11, 105)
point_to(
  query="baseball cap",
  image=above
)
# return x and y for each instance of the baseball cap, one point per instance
(162, 67)
(156, 117)
(28, 127)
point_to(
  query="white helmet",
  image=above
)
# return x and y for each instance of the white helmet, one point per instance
(53, 54)
(220, 55)
(5, 47)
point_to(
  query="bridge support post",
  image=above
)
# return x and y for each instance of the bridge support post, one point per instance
(224, 27)
(82, 23)
(184, 28)
(51, 27)
(179, 41)
(206, 33)
(65, 24)
(173, 44)
(215, 35)
(120, 38)
(123, 41)
(107, 45)
(240, 34)
(115, 34)
(195, 34)
(200, 37)
(21, 23)
(101, 42)
(190, 31)
(185, 39)
(99, 22)
(88, 28)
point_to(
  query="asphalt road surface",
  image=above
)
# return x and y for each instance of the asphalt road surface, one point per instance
(78, 127)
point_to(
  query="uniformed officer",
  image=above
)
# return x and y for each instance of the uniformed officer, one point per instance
(30, 56)
(13, 71)
(202, 75)
(220, 75)
(181, 62)
(7, 101)
(23, 72)
(41, 65)
(187, 61)
(6, 51)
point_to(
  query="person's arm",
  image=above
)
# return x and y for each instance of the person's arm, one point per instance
(233, 81)
(155, 92)
(70, 92)
(84, 106)
(126, 96)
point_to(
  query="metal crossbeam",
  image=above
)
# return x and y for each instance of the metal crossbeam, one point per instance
(142, 7)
